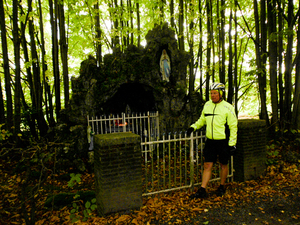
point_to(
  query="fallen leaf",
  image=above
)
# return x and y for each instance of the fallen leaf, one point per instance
(197, 209)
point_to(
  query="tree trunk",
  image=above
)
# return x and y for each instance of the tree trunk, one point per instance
(33, 115)
(213, 42)
(172, 14)
(222, 75)
(9, 107)
(230, 62)
(296, 107)
(138, 22)
(63, 51)
(162, 11)
(288, 67)
(48, 100)
(259, 48)
(116, 42)
(235, 74)
(200, 51)
(181, 26)
(208, 69)
(280, 63)
(38, 91)
(53, 21)
(263, 55)
(123, 26)
(17, 96)
(131, 22)
(191, 46)
(98, 34)
(273, 63)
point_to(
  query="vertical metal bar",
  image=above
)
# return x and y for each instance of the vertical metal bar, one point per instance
(157, 122)
(164, 162)
(169, 146)
(175, 159)
(129, 124)
(152, 162)
(101, 125)
(180, 158)
(97, 125)
(146, 167)
(109, 125)
(93, 128)
(202, 164)
(192, 162)
(197, 157)
(124, 122)
(158, 164)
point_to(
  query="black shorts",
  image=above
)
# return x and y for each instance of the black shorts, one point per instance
(214, 149)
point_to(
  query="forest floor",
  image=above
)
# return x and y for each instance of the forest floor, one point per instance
(271, 199)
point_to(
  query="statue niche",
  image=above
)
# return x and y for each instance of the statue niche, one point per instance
(139, 79)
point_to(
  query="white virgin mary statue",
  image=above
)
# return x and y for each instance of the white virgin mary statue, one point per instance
(165, 66)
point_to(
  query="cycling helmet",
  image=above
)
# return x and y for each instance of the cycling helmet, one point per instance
(220, 87)
(217, 86)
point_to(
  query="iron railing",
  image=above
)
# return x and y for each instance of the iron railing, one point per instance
(169, 161)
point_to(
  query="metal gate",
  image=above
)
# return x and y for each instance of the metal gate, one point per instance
(170, 161)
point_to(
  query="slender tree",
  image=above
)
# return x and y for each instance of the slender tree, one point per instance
(181, 26)
(116, 42)
(47, 94)
(138, 19)
(7, 78)
(63, 50)
(260, 55)
(296, 108)
(131, 21)
(230, 61)
(191, 48)
(55, 52)
(172, 16)
(236, 59)
(98, 45)
(288, 65)
(17, 95)
(271, 6)
(38, 93)
(2, 111)
(33, 116)
(222, 50)
(209, 43)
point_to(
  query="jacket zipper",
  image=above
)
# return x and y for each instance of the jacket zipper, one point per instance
(212, 123)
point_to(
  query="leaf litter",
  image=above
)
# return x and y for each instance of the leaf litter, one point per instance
(271, 199)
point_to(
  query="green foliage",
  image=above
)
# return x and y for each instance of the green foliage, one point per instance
(79, 198)
(272, 155)
(87, 209)
(75, 179)
(73, 212)
(5, 134)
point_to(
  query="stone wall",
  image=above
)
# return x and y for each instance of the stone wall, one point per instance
(250, 159)
(118, 172)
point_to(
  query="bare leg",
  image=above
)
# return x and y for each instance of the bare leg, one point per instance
(206, 173)
(224, 173)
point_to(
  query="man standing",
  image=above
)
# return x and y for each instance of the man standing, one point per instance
(217, 114)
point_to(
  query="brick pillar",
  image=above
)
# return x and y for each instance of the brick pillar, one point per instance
(250, 160)
(118, 172)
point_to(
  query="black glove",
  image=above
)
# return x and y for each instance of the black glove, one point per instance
(189, 131)
(231, 150)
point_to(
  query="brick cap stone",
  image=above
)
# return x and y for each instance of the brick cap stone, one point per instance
(251, 123)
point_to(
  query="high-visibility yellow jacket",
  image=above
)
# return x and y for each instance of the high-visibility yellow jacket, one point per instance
(215, 116)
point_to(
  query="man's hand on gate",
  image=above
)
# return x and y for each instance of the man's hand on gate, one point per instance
(231, 150)
(189, 131)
